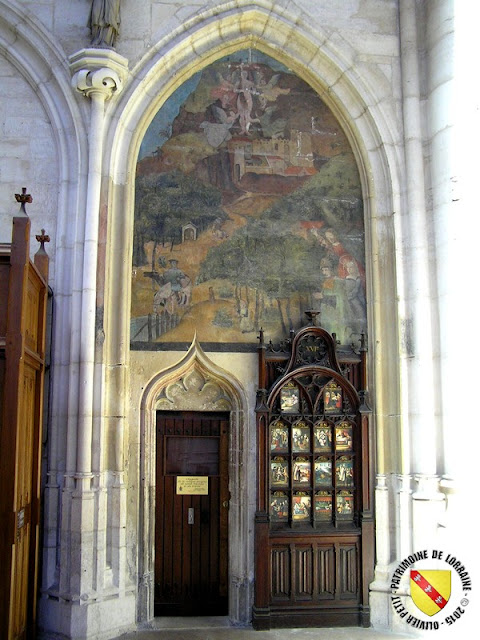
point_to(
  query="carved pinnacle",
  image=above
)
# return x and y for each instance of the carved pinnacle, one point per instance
(42, 238)
(23, 198)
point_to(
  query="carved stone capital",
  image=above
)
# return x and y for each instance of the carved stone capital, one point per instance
(103, 81)
(98, 71)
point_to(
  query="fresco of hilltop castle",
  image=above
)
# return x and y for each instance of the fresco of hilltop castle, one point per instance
(248, 212)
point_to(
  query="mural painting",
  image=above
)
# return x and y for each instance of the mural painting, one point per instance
(248, 211)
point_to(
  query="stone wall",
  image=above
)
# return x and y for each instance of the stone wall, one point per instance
(382, 67)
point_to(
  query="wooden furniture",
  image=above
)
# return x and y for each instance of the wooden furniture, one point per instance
(314, 529)
(23, 295)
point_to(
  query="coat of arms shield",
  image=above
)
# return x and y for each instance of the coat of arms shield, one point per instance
(430, 589)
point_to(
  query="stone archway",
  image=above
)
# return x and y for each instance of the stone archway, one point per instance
(357, 97)
(358, 103)
(197, 383)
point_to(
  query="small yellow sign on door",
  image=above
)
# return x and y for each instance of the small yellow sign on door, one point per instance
(192, 485)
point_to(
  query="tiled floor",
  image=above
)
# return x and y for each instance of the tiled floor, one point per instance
(219, 629)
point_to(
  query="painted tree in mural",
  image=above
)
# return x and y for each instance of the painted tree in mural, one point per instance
(164, 204)
(148, 217)
(248, 210)
(275, 267)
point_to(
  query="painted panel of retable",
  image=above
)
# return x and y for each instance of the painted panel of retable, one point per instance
(248, 211)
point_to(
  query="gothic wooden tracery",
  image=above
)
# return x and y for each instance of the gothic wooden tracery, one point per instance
(314, 520)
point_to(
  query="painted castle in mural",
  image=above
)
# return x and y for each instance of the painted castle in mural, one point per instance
(248, 211)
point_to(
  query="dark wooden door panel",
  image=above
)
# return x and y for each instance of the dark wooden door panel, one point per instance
(305, 571)
(325, 572)
(191, 539)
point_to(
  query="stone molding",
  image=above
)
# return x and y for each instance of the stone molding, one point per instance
(360, 97)
(195, 373)
(98, 71)
(196, 383)
(194, 391)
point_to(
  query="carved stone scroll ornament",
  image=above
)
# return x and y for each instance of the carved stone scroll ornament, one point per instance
(104, 81)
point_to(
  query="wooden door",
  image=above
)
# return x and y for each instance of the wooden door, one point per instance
(23, 349)
(191, 514)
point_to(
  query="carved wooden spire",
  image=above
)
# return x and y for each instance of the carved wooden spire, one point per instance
(23, 198)
(42, 238)
(41, 259)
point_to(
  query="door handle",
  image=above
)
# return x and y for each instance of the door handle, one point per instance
(225, 504)
(191, 515)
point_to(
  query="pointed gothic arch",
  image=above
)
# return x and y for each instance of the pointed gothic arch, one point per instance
(196, 383)
(356, 100)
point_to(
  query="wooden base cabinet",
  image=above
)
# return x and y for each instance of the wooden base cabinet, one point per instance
(314, 520)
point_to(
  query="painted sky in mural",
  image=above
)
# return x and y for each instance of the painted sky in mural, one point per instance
(248, 212)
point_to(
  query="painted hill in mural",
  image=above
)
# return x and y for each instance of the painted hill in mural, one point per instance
(258, 135)
(251, 189)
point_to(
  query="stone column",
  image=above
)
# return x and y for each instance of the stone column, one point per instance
(440, 93)
(89, 600)
(420, 450)
(379, 588)
(454, 126)
(98, 74)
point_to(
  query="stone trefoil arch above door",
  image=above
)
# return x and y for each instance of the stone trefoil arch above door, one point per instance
(196, 383)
